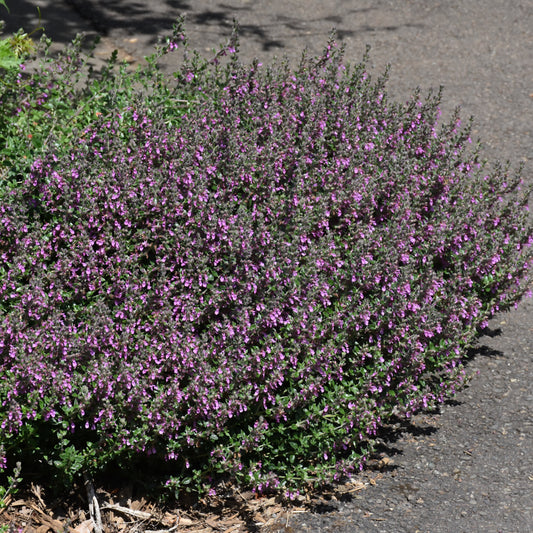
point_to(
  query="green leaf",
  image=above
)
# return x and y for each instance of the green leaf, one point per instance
(8, 58)
(2, 3)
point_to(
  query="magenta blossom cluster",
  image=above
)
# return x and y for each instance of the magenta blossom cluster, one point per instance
(254, 287)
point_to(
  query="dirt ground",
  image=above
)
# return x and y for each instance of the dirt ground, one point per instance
(469, 467)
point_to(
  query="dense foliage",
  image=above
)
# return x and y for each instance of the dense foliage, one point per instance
(242, 272)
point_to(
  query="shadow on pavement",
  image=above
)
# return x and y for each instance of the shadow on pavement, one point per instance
(270, 29)
(60, 22)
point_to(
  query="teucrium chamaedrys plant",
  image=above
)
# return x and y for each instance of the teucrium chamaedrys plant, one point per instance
(251, 285)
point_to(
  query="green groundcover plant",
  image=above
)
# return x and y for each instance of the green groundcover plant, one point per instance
(237, 272)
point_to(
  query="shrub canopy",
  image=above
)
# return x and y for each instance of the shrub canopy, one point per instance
(251, 284)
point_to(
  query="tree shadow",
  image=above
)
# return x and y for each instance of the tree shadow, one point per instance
(269, 30)
(60, 24)
(133, 16)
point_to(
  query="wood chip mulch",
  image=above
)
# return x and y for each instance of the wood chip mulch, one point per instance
(116, 511)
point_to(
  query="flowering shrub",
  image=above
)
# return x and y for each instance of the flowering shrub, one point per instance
(247, 287)
(48, 99)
